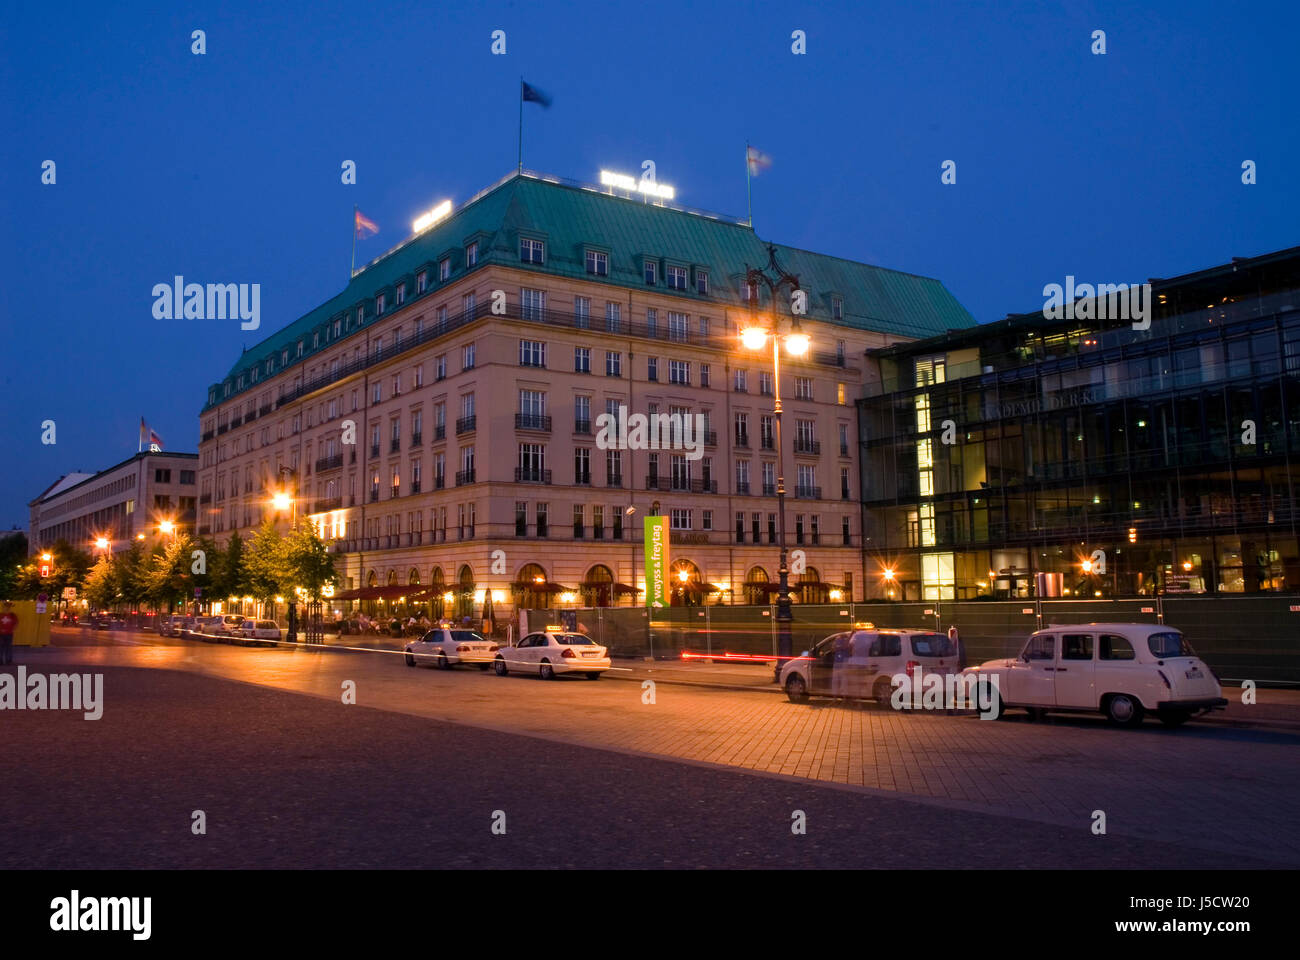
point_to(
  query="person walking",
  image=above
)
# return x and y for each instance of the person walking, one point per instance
(8, 624)
(958, 647)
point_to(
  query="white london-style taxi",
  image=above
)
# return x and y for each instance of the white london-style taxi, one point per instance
(550, 652)
(861, 663)
(446, 646)
(1124, 670)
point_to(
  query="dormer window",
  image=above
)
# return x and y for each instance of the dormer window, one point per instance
(379, 305)
(702, 282)
(284, 358)
(531, 251)
(401, 293)
(598, 263)
(300, 348)
(421, 281)
(471, 254)
(651, 273)
(837, 308)
(676, 278)
(361, 315)
(444, 268)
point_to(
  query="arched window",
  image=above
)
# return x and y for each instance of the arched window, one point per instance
(413, 576)
(392, 578)
(529, 589)
(811, 588)
(372, 579)
(756, 583)
(598, 587)
(684, 578)
(465, 592)
(438, 590)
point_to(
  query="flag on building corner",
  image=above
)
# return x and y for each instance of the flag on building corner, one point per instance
(758, 160)
(530, 94)
(364, 223)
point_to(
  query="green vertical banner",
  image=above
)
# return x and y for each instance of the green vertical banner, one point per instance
(656, 562)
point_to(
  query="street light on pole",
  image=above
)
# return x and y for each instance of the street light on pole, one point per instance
(283, 500)
(796, 342)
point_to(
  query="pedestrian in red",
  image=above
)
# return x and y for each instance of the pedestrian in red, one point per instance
(8, 624)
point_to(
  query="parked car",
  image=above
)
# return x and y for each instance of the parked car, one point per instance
(230, 623)
(447, 646)
(551, 652)
(164, 626)
(259, 629)
(1124, 670)
(861, 663)
(211, 625)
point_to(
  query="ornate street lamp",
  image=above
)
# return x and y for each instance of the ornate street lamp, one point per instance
(756, 337)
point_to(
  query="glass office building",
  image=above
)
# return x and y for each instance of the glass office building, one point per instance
(1093, 458)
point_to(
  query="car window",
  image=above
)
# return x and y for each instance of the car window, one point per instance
(931, 645)
(1041, 647)
(886, 645)
(574, 639)
(862, 642)
(466, 636)
(1076, 646)
(1112, 647)
(431, 637)
(1170, 644)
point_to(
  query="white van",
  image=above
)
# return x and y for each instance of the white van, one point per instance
(1122, 670)
(861, 663)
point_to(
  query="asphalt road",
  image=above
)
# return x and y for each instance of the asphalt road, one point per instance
(287, 780)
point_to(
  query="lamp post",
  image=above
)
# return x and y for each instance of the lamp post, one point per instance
(755, 337)
(283, 500)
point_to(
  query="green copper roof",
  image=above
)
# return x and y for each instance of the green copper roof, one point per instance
(571, 218)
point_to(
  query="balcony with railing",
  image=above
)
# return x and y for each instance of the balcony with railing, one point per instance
(374, 450)
(440, 432)
(533, 421)
(532, 475)
(331, 503)
(464, 477)
(769, 489)
(616, 480)
(742, 487)
(742, 440)
(807, 445)
(466, 424)
(582, 426)
(807, 492)
(710, 438)
(395, 445)
(417, 439)
(329, 463)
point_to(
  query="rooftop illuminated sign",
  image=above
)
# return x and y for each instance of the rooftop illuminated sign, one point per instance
(622, 181)
(425, 220)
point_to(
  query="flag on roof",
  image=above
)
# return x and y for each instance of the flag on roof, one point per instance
(365, 223)
(758, 160)
(530, 94)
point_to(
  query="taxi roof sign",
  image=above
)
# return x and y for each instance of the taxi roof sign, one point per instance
(555, 628)
(864, 625)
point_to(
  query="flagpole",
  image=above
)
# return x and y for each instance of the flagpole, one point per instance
(521, 123)
(749, 203)
(352, 270)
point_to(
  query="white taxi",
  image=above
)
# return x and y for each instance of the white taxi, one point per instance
(551, 652)
(861, 663)
(1123, 670)
(447, 646)
(258, 630)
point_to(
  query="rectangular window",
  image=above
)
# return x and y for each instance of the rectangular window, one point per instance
(652, 369)
(837, 308)
(582, 312)
(532, 353)
(531, 251)
(532, 303)
(471, 254)
(680, 519)
(582, 359)
(651, 273)
(679, 371)
(521, 518)
(765, 383)
(543, 526)
(652, 323)
(676, 277)
(467, 357)
(741, 381)
(678, 326)
(597, 522)
(613, 364)
(421, 281)
(613, 317)
(613, 468)
(598, 263)
(440, 368)
(704, 374)
(582, 466)
(702, 281)
(467, 304)
(401, 294)
(803, 389)
(444, 268)
(579, 521)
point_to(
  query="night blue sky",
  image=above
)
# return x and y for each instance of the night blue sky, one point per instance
(225, 167)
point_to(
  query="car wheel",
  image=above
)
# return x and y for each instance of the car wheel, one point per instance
(410, 659)
(1174, 718)
(443, 662)
(1124, 710)
(796, 689)
(594, 675)
(499, 664)
(883, 691)
(546, 671)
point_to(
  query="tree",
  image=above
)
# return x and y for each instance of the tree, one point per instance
(264, 565)
(129, 574)
(13, 554)
(166, 578)
(230, 572)
(308, 561)
(100, 585)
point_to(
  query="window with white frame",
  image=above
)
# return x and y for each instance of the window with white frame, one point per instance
(532, 353)
(598, 263)
(532, 303)
(678, 326)
(680, 518)
(679, 371)
(471, 254)
(613, 364)
(531, 251)
(582, 359)
(444, 268)
(676, 277)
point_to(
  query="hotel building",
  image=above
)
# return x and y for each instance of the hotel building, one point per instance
(438, 419)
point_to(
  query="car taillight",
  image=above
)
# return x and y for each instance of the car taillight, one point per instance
(462, 649)
(912, 665)
(493, 649)
(568, 653)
